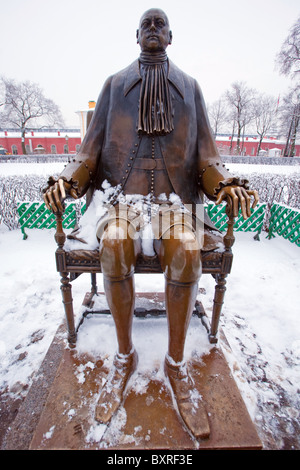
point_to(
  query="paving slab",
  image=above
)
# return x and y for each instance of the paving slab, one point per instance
(147, 419)
(58, 412)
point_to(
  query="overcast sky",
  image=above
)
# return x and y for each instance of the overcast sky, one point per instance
(69, 47)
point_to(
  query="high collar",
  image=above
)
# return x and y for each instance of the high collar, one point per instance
(150, 58)
(133, 76)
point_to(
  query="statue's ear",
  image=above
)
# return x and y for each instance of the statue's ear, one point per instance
(170, 37)
(137, 36)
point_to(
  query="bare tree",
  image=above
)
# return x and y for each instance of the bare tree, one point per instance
(265, 113)
(218, 115)
(1, 93)
(26, 107)
(288, 59)
(247, 118)
(290, 119)
(239, 99)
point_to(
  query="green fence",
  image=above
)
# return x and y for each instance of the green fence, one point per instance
(254, 223)
(284, 221)
(36, 215)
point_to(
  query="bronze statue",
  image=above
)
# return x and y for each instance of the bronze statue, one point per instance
(150, 135)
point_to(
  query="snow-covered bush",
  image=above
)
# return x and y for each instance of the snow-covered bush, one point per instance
(274, 187)
(14, 189)
(271, 187)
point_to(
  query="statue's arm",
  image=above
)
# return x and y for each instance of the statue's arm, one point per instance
(77, 176)
(215, 180)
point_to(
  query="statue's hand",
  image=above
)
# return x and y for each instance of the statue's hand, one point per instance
(56, 194)
(240, 197)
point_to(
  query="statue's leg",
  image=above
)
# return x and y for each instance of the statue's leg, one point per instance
(180, 257)
(118, 254)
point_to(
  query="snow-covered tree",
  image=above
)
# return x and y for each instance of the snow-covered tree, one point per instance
(217, 113)
(25, 107)
(288, 59)
(265, 113)
(240, 98)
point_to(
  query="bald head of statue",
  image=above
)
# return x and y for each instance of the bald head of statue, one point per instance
(154, 34)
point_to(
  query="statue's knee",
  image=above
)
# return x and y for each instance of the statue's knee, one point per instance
(117, 251)
(181, 256)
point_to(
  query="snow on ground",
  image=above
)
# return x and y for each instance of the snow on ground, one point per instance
(47, 169)
(21, 169)
(260, 319)
(277, 169)
(262, 324)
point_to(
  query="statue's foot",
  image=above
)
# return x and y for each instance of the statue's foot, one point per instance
(113, 392)
(188, 400)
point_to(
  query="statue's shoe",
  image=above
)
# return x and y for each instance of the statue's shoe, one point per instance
(113, 391)
(188, 400)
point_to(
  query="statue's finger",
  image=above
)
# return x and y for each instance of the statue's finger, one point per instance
(57, 197)
(247, 201)
(241, 202)
(254, 193)
(256, 198)
(73, 194)
(221, 196)
(62, 188)
(235, 203)
(46, 201)
(52, 203)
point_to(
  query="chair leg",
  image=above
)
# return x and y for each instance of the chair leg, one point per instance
(66, 290)
(94, 289)
(217, 306)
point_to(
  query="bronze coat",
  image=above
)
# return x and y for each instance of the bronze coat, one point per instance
(111, 142)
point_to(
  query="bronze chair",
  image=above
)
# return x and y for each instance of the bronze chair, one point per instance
(71, 264)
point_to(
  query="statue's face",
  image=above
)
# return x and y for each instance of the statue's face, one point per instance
(154, 33)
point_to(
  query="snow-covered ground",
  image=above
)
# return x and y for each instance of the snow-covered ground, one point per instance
(13, 168)
(260, 320)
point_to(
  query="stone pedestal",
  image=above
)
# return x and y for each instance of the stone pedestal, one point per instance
(58, 412)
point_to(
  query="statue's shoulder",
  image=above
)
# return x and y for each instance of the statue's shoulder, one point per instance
(191, 80)
(182, 81)
(131, 69)
(126, 78)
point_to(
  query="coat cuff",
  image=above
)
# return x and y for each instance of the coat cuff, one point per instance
(214, 177)
(51, 182)
(233, 181)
